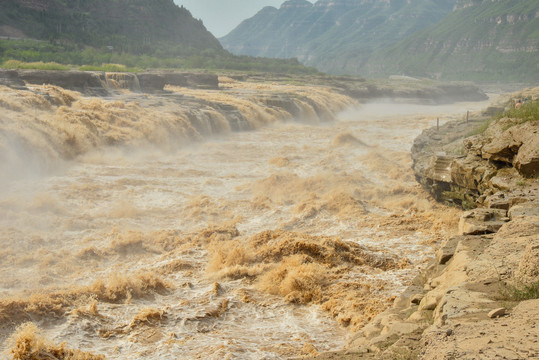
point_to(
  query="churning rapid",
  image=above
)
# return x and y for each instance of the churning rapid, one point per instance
(144, 226)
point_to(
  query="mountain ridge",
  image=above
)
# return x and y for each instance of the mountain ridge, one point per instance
(485, 40)
(102, 34)
(375, 38)
(136, 26)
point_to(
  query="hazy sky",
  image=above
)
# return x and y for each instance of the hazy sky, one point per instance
(222, 16)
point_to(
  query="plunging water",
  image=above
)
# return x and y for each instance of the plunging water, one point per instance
(271, 243)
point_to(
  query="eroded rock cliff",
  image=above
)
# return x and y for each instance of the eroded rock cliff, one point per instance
(469, 164)
(478, 299)
(101, 83)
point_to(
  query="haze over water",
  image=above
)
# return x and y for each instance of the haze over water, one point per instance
(270, 243)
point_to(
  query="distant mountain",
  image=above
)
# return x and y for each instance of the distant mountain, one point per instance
(333, 35)
(481, 40)
(449, 39)
(136, 26)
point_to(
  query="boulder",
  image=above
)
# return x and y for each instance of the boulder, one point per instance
(473, 144)
(420, 315)
(505, 179)
(505, 200)
(524, 209)
(401, 301)
(502, 148)
(527, 159)
(498, 200)
(497, 312)
(482, 221)
(447, 250)
(517, 145)
(430, 301)
(528, 267)
(469, 172)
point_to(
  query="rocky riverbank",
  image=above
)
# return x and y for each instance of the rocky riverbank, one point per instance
(479, 297)
(479, 162)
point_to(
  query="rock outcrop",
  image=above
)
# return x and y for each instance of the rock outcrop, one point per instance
(443, 93)
(495, 169)
(494, 263)
(11, 78)
(191, 80)
(82, 81)
(478, 299)
(151, 82)
(96, 83)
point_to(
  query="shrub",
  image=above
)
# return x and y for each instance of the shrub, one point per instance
(521, 291)
(109, 68)
(15, 64)
(528, 111)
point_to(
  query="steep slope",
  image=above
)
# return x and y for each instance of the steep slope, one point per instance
(480, 40)
(136, 26)
(330, 33)
(271, 32)
(367, 29)
(486, 40)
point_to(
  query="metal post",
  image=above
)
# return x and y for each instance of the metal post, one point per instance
(467, 115)
(437, 124)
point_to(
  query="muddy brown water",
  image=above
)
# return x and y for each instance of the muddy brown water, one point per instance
(270, 243)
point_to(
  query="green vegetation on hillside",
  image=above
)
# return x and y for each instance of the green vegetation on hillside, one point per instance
(133, 26)
(30, 53)
(489, 41)
(482, 40)
(338, 36)
(138, 34)
(528, 111)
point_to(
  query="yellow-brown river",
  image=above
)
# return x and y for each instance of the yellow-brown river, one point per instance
(140, 226)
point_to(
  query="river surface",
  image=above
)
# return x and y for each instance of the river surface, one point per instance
(265, 244)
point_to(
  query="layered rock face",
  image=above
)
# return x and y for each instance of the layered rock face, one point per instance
(458, 40)
(96, 83)
(101, 83)
(461, 4)
(491, 169)
(338, 36)
(517, 146)
(476, 300)
(479, 40)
